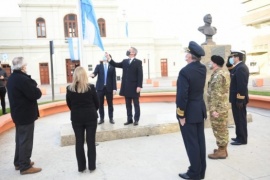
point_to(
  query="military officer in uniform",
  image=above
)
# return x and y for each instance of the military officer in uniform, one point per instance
(191, 110)
(238, 96)
(217, 96)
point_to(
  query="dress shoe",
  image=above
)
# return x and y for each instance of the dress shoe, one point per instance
(82, 171)
(237, 143)
(184, 176)
(136, 123)
(31, 170)
(127, 123)
(92, 170)
(112, 121)
(101, 121)
(234, 139)
(18, 167)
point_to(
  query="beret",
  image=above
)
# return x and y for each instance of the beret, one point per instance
(218, 60)
(195, 49)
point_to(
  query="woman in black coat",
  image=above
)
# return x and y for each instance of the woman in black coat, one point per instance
(83, 103)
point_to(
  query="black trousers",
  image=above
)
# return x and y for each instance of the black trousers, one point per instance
(3, 92)
(109, 99)
(129, 108)
(240, 120)
(79, 131)
(194, 140)
(24, 144)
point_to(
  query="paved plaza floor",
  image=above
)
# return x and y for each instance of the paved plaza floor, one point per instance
(158, 157)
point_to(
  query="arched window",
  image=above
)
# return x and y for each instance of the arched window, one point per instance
(102, 27)
(70, 25)
(41, 28)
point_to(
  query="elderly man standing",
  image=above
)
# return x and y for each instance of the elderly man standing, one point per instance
(218, 88)
(23, 94)
(191, 111)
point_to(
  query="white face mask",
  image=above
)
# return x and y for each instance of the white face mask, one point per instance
(104, 58)
(210, 65)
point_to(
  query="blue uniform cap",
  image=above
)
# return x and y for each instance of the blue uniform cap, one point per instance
(195, 49)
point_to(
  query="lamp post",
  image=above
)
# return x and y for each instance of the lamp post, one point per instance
(148, 67)
(148, 81)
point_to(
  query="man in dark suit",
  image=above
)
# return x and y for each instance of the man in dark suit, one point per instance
(191, 111)
(131, 85)
(106, 86)
(239, 96)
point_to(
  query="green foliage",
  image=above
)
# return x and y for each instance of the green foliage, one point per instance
(260, 93)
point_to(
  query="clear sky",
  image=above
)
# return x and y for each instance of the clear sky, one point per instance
(178, 18)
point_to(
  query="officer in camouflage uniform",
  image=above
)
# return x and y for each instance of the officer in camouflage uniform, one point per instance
(218, 88)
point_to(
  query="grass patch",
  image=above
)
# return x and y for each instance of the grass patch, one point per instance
(260, 93)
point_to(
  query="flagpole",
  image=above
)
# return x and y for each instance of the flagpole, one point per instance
(126, 25)
(80, 37)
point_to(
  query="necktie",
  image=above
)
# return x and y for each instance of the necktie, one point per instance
(130, 60)
(105, 73)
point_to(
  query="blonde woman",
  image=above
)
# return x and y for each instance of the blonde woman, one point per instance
(83, 103)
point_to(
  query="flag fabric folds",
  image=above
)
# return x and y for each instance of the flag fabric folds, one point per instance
(90, 27)
(73, 45)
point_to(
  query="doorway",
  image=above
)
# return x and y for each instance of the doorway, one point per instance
(164, 67)
(44, 73)
(70, 66)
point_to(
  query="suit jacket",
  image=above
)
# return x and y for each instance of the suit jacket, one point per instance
(239, 83)
(83, 106)
(23, 94)
(111, 78)
(132, 76)
(189, 97)
(4, 74)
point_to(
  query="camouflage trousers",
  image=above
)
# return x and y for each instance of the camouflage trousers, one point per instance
(220, 130)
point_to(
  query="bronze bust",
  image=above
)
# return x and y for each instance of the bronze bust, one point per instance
(208, 30)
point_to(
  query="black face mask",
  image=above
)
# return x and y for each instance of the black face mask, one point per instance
(128, 53)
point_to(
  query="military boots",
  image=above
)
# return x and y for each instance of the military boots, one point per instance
(220, 153)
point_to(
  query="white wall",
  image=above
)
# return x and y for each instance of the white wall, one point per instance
(18, 38)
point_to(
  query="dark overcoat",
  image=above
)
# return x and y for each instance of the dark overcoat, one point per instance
(189, 97)
(23, 94)
(132, 76)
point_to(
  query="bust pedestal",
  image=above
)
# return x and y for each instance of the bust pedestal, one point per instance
(224, 52)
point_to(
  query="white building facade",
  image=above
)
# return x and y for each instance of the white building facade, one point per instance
(56, 20)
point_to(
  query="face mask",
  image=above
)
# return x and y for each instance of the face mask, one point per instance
(104, 58)
(128, 53)
(231, 61)
(210, 65)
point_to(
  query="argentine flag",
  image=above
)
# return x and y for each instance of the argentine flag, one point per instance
(73, 45)
(90, 29)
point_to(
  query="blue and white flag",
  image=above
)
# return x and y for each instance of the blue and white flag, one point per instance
(73, 45)
(90, 27)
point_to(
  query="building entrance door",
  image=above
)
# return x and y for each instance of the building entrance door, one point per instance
(164, 67)
(44, 73)
(70, 67)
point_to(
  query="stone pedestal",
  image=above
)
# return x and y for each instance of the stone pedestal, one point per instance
(224, 52)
